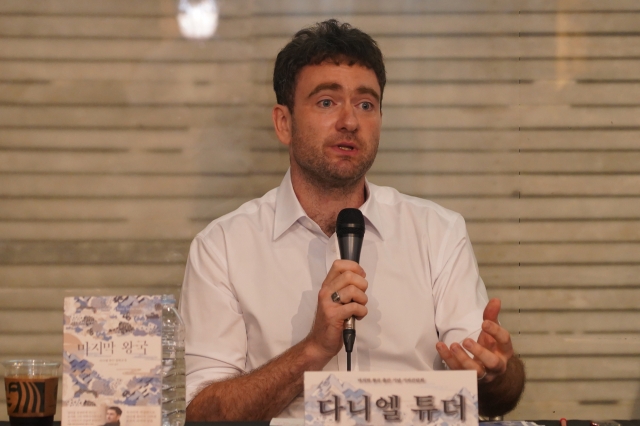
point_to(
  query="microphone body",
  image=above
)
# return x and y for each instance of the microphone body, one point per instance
(350, 232)
(350, 246)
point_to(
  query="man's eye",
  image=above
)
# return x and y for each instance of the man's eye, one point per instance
(325, 103)
(367, 106)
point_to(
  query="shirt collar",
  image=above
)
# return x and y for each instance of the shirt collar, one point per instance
(289, 211)
(371, 210)
(288, 208)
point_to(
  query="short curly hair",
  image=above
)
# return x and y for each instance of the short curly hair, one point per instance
(116, 409)
(328, 40)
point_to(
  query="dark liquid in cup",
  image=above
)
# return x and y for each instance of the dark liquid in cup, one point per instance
(31, 421)
(31, 400)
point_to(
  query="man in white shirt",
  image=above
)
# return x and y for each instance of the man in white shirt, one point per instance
(259, 293)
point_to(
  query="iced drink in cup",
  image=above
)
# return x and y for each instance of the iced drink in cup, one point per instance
(32, 389)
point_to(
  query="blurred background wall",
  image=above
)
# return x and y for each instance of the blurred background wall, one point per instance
(120, 140)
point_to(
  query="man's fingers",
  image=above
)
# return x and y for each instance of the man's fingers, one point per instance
(355, 310)
(339, 313)
(492, 362)
(341, 281)
(487, 342)
(447, 356)
(466, 362)
(500, 334)
(346, 285)
(340, 266)
(352, 294)
(492, 310)
(349, 278)
(457, 359)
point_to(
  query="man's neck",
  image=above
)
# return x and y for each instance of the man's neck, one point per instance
(322, 205)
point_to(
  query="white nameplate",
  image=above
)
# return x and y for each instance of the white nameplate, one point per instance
(399, 398)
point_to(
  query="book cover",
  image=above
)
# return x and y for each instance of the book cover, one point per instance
(112, 361)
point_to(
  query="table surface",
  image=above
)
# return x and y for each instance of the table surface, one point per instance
(5, 423)
(540, 422)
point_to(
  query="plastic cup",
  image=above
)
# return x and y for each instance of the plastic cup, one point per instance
(31, 387)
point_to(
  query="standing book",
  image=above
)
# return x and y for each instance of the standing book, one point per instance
(112, 361)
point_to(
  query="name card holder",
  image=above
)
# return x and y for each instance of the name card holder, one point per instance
(430, 398)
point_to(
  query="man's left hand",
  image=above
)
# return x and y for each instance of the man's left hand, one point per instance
(491, 352)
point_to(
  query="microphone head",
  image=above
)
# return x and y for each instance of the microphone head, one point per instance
(350, 222)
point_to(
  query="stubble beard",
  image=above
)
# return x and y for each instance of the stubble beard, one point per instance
(323, 174)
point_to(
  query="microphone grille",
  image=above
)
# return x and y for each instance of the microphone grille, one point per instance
(350, 221)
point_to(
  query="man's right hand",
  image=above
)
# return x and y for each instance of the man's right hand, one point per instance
(347, 278)
(265, 391)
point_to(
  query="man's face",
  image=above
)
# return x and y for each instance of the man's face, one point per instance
(335, 123)
(112, 416)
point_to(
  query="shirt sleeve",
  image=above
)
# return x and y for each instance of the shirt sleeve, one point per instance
(216, 339)
(460, 295)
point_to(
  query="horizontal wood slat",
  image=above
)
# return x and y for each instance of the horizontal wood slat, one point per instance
(234, 160)
(546, 253)
(142, 8)
(109, 27)
(114, 50)
(561, 276)
(84, 277)
(53, 299)
(513, 186)
(126, 140)
(546, 346)
(93, 252)
(584, 368)
(88, 186)
(239, 159)
(567, 300)
(128, 117)
(357, 7)
(114, 93)
(595, 322)
(463, 24)
(469, 25)
(523, 70)
(498, 47)
(561, 232)
(141, 70)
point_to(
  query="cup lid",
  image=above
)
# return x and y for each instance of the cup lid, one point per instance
(29, 362)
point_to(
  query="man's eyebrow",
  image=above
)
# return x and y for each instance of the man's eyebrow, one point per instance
(337, 86)
(325, 86)
(368, 90)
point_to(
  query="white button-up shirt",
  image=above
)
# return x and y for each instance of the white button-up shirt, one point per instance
(252, 280)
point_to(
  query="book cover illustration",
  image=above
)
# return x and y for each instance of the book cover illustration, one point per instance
(112, 360)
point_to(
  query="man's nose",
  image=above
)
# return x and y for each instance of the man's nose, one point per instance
(348, 120)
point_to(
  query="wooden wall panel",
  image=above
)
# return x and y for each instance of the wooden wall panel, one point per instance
(119, 141)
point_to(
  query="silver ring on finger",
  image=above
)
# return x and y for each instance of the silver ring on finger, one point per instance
(484, 375)
(335, 297)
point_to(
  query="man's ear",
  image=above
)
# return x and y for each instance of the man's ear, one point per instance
(282, 123)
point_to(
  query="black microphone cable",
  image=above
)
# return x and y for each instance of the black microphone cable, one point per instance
(350, 232)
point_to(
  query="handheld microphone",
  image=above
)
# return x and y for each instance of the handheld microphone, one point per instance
(350, 232)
